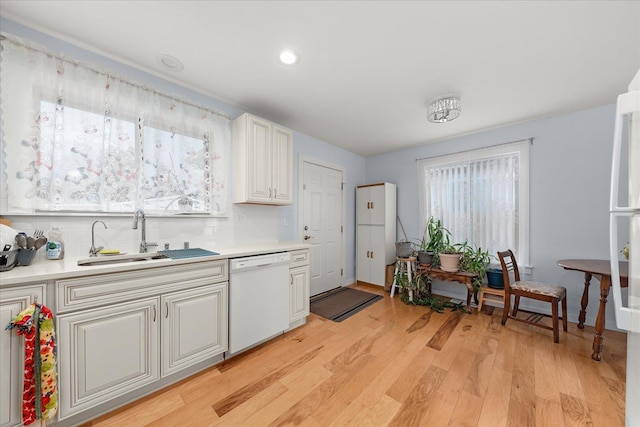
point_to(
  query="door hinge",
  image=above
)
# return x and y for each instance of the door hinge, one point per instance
(341, 229)
(304, 186)
(342, 186)
(341, 272)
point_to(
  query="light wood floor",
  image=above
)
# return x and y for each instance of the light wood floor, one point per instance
(400, 365)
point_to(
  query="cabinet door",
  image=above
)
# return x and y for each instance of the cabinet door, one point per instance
(363, 249)
(282, 164)
(12, 302)
(377, 259)
(362, 205)
(259, 160)
(370, 204)
(194, 326)
(377, 204)
(298, 293)
(106, 352)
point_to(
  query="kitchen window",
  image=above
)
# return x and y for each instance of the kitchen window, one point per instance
(78, 139)
(481, 196)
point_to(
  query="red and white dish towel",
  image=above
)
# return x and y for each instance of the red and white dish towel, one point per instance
(40, 393)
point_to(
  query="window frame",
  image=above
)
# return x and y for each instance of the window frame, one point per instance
(521, 148)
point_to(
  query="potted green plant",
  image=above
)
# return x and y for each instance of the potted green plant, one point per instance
(475, 261)
(434, 238)
(450, 256)
(404, 249)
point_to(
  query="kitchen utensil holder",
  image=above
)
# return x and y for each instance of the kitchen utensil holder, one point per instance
(26, 256)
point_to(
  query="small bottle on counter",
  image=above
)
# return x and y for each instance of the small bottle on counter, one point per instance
(55, 246)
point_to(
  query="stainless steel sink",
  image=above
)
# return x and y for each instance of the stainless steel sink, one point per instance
(119, 259)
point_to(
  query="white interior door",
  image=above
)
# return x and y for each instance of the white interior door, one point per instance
(322, 224)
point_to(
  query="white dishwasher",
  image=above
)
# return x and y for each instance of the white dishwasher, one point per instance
(258, 299)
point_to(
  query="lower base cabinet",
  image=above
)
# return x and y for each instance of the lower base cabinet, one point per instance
(299, 282)
(12, 302)
(117, 349)
(177, 319)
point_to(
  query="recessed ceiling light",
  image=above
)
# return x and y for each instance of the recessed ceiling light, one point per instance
(289, 57)
(169, 62)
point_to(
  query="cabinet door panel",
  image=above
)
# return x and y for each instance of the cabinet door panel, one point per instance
(282, 165)
(377, 262)
(12, 302)
(193, 326)
(299, 293)
(259, 164)
(362, 205)
(377, 207)
(106, 352)
(363, 250)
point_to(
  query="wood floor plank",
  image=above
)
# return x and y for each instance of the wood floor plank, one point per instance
(549, 413)
(377, 369)
(467, 411)
(495, 409)
(381, 412)
(575, 411)
(420, 398)
(444, 333)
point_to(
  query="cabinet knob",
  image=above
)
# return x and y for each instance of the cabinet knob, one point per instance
(368, 253)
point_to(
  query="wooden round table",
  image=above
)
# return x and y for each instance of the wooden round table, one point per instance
(602, 269)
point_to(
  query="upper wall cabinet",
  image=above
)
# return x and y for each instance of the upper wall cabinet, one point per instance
(262, 162)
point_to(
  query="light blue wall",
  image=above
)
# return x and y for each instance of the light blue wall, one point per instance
(570, 167)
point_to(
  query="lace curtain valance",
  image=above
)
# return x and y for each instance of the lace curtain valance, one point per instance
(77, 138)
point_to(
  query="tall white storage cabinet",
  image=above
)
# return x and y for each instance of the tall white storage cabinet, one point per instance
(376, 231)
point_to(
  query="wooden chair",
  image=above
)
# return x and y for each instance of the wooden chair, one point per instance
(534, 290)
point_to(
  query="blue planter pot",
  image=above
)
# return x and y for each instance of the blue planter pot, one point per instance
(494, 278)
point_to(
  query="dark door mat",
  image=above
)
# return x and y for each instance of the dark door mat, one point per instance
(341, 303)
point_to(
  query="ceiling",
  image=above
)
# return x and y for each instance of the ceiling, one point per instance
(368, 69)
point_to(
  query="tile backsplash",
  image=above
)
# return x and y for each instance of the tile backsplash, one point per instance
(244, 224)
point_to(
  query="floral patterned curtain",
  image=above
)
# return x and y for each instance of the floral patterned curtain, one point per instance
(79, 139)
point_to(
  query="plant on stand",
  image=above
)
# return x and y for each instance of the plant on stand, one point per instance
(450, 256)
(475, 261)
(434, 238)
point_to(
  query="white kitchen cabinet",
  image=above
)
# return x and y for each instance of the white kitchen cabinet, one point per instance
(299, 282)
(106, 352)
(12, 302)
(376, 231)
(194, 326)
(262, 162)
(119, 332)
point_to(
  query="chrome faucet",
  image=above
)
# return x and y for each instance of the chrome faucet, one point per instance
(94, 251)
(144, 245)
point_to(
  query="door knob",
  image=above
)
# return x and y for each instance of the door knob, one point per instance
(307, 237)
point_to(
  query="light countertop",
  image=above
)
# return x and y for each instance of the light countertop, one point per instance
(44, 270)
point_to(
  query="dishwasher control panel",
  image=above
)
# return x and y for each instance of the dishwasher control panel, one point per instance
(259, 261)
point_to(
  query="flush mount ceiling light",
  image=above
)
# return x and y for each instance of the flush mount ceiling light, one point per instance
(169, 62)
(289, 57)
(444, 110)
